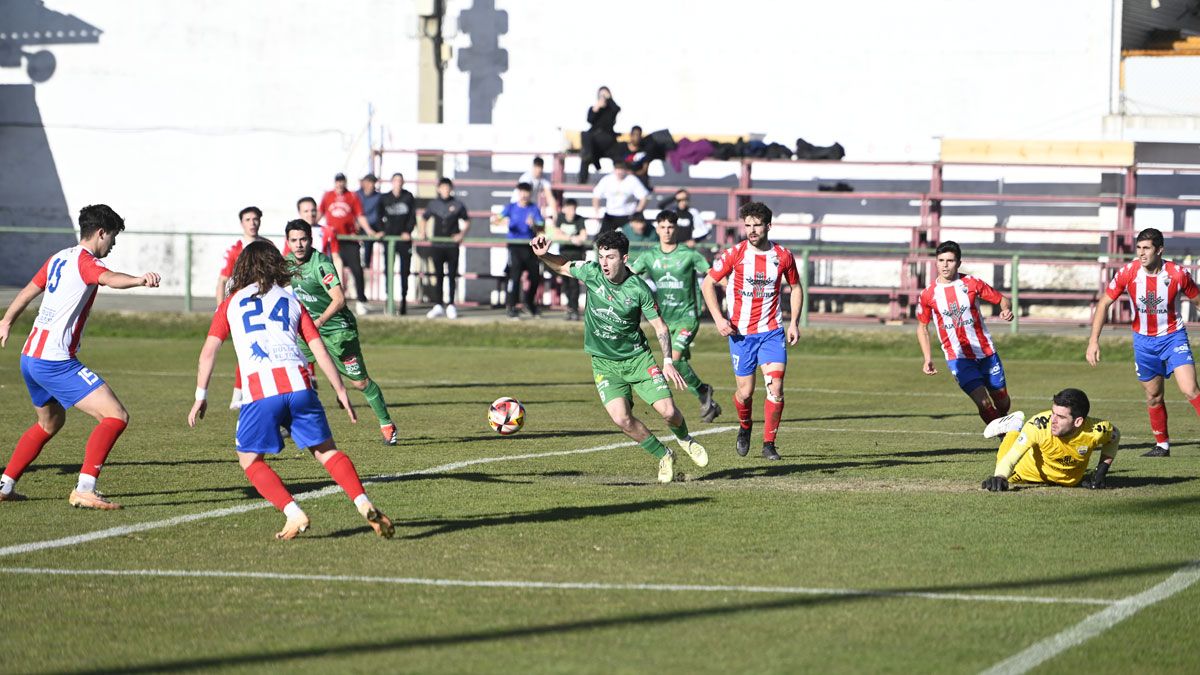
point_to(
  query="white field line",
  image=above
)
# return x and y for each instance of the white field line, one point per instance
(1096, 624)
(256, 504)
(560, 585)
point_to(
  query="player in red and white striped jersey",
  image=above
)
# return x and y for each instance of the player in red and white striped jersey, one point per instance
(263, 318)
(56, 380)
(757, 271)
(952, 303)
(1160, 342)
(251, 220)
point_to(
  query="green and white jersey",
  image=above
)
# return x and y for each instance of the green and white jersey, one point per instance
(311, 285)
(612, 321)
(674, 276)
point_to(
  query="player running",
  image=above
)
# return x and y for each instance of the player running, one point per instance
(264, 318)
(952, 302)
(55, 378)
(320, 291)
(1160, 341)
(673, 270)
(251, 220)
(1054, 447)
(622, 362)
(757, 270)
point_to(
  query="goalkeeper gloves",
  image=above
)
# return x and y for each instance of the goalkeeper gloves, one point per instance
(996, 484)
(1096, 481)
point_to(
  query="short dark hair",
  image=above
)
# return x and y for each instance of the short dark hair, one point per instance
(1151, 235)
(397, 175)
(613, 240)
(682, 191)
(99, 217)
(305, 199)
(667, 215)
(525, 186)
(1075, 400)
(250, 209)
(570, 201)
(638, 217)
(757, 210)
(634, 128)
(538, 161)
(949, 247)
(297, 224)
(445, 181)
(619, 164)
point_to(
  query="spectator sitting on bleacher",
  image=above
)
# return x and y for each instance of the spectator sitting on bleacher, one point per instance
(601, 136)
(623, 195)
(542, 194)
(445, 217)
(638, 231)
(692, 227)
(569, 231)
(636, 156)
(524, 221)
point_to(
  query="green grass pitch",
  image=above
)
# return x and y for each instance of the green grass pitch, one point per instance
(869, 548)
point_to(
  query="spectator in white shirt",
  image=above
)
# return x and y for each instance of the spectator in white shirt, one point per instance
(543, 195)
(624, 195)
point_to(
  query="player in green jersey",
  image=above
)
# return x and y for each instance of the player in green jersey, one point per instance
(673, 270)
(319, 289)
(622, 362)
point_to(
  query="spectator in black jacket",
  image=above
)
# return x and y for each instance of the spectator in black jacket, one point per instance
(600, 138)
(398, 215)
(691, 227)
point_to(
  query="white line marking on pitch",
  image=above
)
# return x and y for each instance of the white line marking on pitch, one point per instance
(560, 585)
(256, 504)
(1096, 624)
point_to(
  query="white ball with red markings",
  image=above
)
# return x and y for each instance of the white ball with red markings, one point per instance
(506, 416)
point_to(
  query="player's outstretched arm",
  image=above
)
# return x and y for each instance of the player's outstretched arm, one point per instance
(663, 334)
(556, 263)
(1093, 348)
(204, 370)
(15, 308)
(122, 281)
(325, 363)
(926, 355)
(708, 288)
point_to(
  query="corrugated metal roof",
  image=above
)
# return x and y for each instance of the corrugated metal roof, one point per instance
(1139, 19)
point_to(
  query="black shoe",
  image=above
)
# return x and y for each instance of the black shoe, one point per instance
(743, 442)
(403, 308)
(711, 414)
(512, 313)
(571, 316)
(1158, 451)
(769, 450)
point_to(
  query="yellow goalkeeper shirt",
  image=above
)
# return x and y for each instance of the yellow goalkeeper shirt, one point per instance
(1036, 455)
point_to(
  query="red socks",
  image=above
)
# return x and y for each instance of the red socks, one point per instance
(743, 411)
(342, 470)
(987, 413)
(1195, 404)
(772, 411)
(267, 482)
(28, 448)
(100, 443)
(1158, 423)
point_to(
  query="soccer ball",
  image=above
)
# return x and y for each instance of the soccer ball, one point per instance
(506, 416)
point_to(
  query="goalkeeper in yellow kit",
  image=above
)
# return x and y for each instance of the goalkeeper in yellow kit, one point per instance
(1054, 447)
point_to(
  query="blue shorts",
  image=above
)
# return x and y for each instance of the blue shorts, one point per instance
(1160, 356)
(748, 352)
(67, 382)
(300, 411)
(972, 374)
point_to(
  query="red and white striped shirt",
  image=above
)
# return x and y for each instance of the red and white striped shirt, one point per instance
(1153, 298)
(754, 286)
(70, 278)
(264, 333)
(955, 309)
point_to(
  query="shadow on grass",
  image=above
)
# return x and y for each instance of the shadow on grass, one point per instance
(768, 469)
(415, 404)
(1119, 481)
(879, 416)
(274, 658)
(1150, 445)
(498, 385)
(72, 469)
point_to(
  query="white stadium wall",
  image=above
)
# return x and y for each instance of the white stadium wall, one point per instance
(184, 113)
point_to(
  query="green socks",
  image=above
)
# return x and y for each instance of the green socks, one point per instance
(375, 399)
(681, 431)
(689, 376)
(654, 447)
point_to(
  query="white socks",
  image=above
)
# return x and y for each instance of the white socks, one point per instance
(86, 483)
(293, 511)
(6, 484)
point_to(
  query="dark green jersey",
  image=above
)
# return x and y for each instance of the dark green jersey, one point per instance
(612, 322)
(674, 276)
(313, 280)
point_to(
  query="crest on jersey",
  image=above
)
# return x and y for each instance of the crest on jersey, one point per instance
(1150, 301)
(1082, 450)
(759, 282)
(955, 313)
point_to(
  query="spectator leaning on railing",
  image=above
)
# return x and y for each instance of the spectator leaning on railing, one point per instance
(638, 231)
(570, 232)
(524, 221)
(368, 197)
(445, 217)
(623, 196)
(397, 216)
(342, 211)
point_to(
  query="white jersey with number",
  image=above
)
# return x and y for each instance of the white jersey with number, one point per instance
(70, 278)
(264, 330)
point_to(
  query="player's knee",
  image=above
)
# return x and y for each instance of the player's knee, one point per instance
(1003, 405)
(1154, 400)
(360, 384)
(119, 413)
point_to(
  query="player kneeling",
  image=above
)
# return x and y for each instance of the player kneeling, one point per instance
(1054, 447)
(264, 317)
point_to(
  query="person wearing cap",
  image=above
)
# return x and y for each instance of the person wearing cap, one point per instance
(342, 211)
(369, 198)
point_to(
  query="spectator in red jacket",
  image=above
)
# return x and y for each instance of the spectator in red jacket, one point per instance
(344, 213)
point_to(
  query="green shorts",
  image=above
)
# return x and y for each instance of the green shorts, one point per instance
(682, 335)
(346, 354)
(619, 379)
